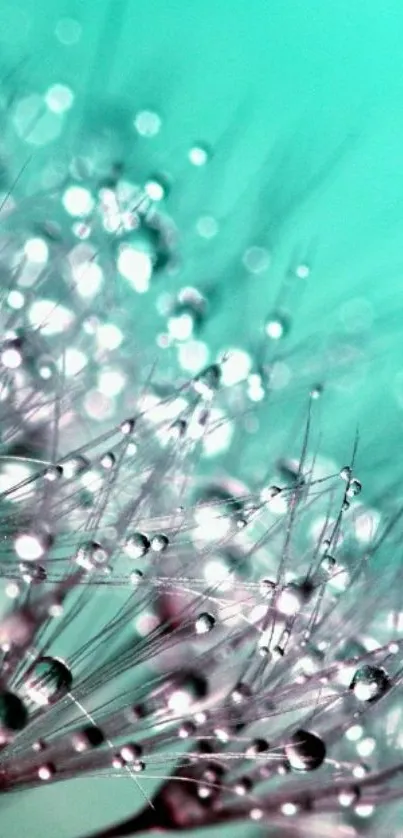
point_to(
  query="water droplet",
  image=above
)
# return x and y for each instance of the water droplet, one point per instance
(305, 751)
(186, 730)
(147, 123)
(185, 690)
(32, 573)
(302, 271)
(276, 326)
(256, 259)
(127, 427)
(88, 737)
(241, 693)
(11, 354)
(136, 545)
(199, 155)
(257, 746)
(92, 555)
(294, 596)
(13, 713)
(187, 314)
(32, 545)
(108, 460)
(370, 683)
(205, 622)
(159, 543)
(130, 753)
(243, 786)
(46, 772)
(75, 466)
(47, 680)
(354, 488)
(208, 381)
(156, 188)
(53, 473)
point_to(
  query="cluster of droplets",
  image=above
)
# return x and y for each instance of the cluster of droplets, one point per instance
(284, 669)
(151, 617)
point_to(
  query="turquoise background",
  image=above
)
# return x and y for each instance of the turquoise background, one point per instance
(302, 106)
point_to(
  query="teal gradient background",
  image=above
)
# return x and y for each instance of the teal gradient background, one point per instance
(301, 103)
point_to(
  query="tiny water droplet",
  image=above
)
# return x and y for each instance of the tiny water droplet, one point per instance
(159, 543)
(354, 488)
(208, 381)
(276, 326)
(205, 622)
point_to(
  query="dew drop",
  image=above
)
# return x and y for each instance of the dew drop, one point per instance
(47, 680)
(208, 381)
(46, 772)
(370, 683)
(205, 622)
(294, 596)
(159, 543)
(13, 713)
(89, 737)
(305, 751)
(137, 545)
(53, 474)
(92, 555)
(108, 461)
(276, 326)
(354, 488)
(199, 155)
(32, 545)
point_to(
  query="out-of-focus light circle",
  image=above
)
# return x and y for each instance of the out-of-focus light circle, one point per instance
(274, 329)
(302, 271)
(34, 122)
(147, 123)
(155, 190)
(111, 382)
(193, 355)
(36, 250)
(11, 358)
(72, 361)
(68, 31)
(98, 406)
(219, 433)
(108, 336)
(207, 226)
(88, 278)
(78, 201)
(181, 327)
(16, 300)
(235, 367)
(59, 98)
(49, 317)
(211, 524)
(29, 547)
(256, 259)
(198, 155)
(135, 266)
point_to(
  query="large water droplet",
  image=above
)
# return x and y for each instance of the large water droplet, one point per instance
(48, 680)
(305, 751)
